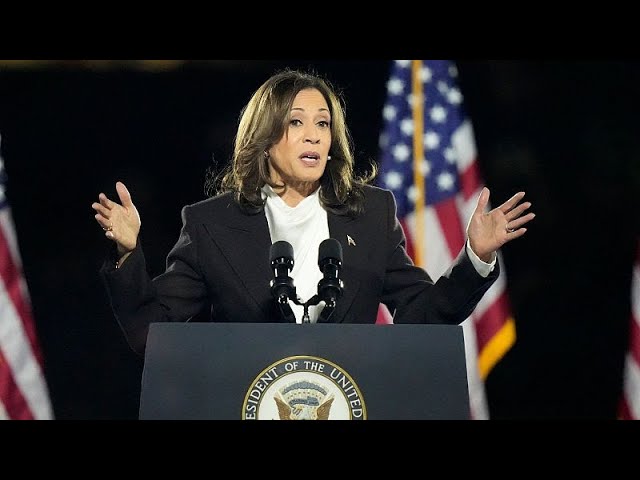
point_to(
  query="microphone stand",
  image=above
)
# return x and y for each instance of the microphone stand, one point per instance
(315, 300)
(285, 309)
(282, 300)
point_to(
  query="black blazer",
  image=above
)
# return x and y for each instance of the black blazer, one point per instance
(221, 262)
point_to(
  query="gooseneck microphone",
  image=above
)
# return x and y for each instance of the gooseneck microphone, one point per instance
(330, 263)
(330, 287)
(281, 258)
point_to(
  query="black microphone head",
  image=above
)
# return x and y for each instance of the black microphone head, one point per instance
(330, 262)
(329, 248)
(280, 249)
(281, 255)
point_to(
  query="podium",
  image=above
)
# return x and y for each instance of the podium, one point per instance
(254, 371)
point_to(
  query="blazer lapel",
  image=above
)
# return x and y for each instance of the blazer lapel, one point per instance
(342, 228)
(244, 240)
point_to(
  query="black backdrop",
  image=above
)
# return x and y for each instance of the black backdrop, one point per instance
(564, 131)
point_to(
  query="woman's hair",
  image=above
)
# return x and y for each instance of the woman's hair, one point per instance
(263, 122)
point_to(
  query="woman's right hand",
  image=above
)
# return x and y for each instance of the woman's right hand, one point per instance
(120, 221)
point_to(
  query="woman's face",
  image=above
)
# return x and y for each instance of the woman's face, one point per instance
(299, 158)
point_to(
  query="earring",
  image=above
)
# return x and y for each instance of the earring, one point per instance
(328, 157)
(266, 154)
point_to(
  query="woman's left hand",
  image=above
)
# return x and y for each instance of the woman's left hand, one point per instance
(488, 231)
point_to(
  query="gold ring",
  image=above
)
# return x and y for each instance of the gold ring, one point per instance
(108, 229)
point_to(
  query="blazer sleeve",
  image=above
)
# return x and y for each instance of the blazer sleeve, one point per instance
(412, 295)
(178, 294)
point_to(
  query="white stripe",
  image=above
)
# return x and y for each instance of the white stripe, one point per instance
(632, 386)
(434, 250)
(467, 207)
(477, 395)
(18, 354)
(631, 368)
(464, 145)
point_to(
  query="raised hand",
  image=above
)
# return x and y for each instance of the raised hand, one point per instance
(120, 221)
(488, 231)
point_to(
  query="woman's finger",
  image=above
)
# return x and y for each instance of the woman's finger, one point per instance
(517, 211)
(101, 209)
(105, 223)
(509, 204)
(105, 202)
(124, 195)
(483, 200)
(518, 222)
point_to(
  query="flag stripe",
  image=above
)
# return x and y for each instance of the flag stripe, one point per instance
(492, 319)
(470, 181)
(631, 391)
(447, 212)
(11, 278)
(18, 356)
(477, 398)
(438, 254)
(629, 405)
(496, 348)
(14, 404)
(469, 171)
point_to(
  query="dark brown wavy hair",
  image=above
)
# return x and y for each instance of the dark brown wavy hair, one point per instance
(263, 122)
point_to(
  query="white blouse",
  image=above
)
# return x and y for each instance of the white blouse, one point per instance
(304, 226)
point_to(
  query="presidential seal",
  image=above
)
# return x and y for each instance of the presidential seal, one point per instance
(303, 388)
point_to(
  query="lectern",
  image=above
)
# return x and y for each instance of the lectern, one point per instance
(255, 371)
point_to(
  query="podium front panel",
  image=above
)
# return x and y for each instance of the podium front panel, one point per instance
(225, 371)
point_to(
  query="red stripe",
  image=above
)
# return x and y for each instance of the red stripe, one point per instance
(470, 180)
(383, 317)
(14, 402)
(11, 278)
(492, 320)
(624, 412)
(450, 224)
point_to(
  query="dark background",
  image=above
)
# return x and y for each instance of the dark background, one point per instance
(566, 132)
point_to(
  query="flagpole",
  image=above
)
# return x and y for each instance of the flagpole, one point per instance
(417, 109)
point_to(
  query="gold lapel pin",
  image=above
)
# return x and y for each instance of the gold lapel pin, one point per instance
(350, 240)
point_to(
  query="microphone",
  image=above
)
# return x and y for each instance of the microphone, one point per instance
(281, 258)
(330, 263)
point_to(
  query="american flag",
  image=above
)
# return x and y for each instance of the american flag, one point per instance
(428, 160)
(23, 390)
(629, 408)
